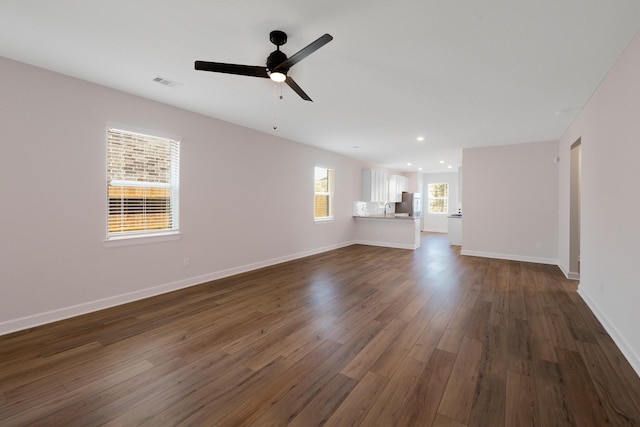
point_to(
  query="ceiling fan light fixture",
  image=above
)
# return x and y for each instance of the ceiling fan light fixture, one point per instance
(277, 76)
(278, 64)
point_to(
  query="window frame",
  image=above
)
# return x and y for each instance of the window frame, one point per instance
(133, 237)
(331, 176)
(429, 198)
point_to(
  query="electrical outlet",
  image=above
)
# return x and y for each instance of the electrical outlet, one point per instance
(185, 263)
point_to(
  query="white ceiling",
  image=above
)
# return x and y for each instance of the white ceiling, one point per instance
(461, 73)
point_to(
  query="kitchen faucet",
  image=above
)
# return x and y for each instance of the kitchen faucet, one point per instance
(385, 207)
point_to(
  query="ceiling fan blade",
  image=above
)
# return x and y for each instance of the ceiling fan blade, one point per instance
(297, 89)
(243, 70)
(304, 52)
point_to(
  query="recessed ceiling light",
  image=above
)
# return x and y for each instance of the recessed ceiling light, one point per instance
(408, 164)
(420, 138)
(419, 169)
(449, 166)
(441, 162)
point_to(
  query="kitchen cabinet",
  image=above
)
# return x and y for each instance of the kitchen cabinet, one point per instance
(374, 185)
(397, 184)
(455, 230)
(403, 185)
(388, 231)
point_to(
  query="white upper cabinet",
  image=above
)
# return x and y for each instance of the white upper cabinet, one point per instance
(393, 189)
(374, 185)
(397, 184)
(403, 184)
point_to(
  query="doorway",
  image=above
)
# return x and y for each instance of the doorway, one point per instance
(574, 210)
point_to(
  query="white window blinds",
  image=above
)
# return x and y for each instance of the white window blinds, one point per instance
(143, 183)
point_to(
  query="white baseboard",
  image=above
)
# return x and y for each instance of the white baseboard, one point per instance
(387, 244)
(436, 230)
(568, 275)
(511, 257)
(621, 343)
(565, 272)
(27, 322)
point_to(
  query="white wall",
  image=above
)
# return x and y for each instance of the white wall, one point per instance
(438, 222)
(511, 202)
(609, 130)
(246, 199)
(415, 186)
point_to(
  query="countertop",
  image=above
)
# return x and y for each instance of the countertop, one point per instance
(389, 216)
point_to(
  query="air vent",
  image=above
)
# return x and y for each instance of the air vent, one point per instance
(166, 82)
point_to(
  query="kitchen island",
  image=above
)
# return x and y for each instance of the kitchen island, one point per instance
(390, 230)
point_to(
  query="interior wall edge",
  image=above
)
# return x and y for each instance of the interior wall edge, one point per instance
(619, 340)
(39, 319)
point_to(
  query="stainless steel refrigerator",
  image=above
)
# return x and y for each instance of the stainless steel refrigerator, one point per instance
(411, 204)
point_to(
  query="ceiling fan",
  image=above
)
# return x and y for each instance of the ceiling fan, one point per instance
(277, 63)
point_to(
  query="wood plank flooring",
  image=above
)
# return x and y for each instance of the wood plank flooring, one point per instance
(360, 336)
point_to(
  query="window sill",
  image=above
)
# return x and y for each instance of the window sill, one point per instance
(323, 220)
(115, 242)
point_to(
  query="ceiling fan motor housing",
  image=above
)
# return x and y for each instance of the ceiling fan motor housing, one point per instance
(278, 37)
(276, 58)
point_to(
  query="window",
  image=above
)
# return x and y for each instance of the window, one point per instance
(438, 198)
(323, 205)
(142, 184)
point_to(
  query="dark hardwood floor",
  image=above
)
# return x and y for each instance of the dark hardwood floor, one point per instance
(358, 336)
